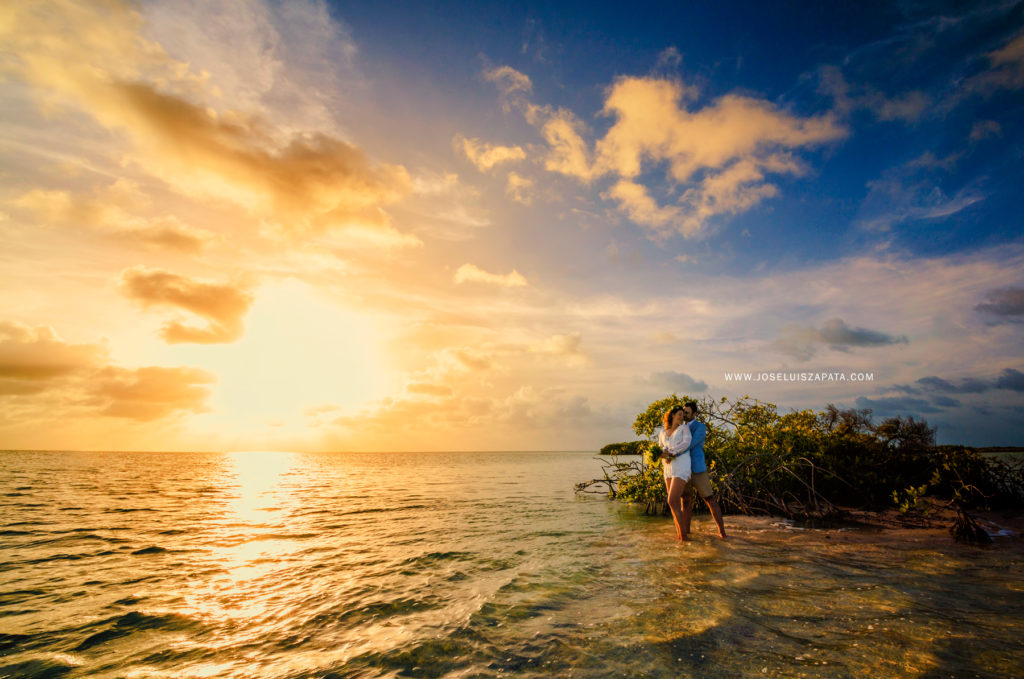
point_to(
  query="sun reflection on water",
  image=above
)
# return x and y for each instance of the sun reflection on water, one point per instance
(257, 482)
(250, 543)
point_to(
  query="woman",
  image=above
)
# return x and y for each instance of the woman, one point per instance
(674, 438)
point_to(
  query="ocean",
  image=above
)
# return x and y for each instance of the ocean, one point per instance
(278, 564)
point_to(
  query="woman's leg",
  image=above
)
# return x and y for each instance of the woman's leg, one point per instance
(675, 493)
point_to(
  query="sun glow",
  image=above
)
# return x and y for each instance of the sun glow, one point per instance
(298, 351)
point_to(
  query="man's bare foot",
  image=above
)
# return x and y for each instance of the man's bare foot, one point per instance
(723, 536)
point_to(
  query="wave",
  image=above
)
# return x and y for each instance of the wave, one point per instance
(18, 596)
(37, 668)
(151, 550)
(135, 621)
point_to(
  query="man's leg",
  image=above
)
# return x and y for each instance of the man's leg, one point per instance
(701, 483)
(716, 513)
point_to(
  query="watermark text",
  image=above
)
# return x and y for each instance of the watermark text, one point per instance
(779, 376)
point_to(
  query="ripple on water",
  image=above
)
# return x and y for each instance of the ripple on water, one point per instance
(468, 578)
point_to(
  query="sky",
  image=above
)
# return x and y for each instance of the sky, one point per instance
(308, 225)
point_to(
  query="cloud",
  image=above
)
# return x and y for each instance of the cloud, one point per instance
(485, 156)
(111, 211)
(910, 192)
(1005, 303)
(301, 181)
(896, 404)
(151, 393)
(736, 189)
(510, 82)
(535, 413)
(1005, 72)
(664, 337)
(289, 61)
(721, 153)
(970, 385)
(985, 129)
(654, 123)
(837, 333)
(567, 151)
(43, 374)
(315, 181)
(908, 107)
(1009, 379)
(801, 341)
(428, 389)
(36, 359)
(472, 273)
(472, 360)
(668, 58)
(568, 347)
(518, 188)
(641, 208)
(677, 383)
(222, 305)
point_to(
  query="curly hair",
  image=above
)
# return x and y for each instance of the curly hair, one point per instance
(669, 414)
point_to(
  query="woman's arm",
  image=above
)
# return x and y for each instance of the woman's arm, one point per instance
(684, 441)
(679, 442)
(698, 438)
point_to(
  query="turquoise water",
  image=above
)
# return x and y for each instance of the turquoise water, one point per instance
(460, 565)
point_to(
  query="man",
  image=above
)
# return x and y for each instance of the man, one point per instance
(699, 481)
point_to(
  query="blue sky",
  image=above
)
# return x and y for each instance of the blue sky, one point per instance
(465, 226)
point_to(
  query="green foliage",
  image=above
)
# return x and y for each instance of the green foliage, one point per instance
(808, 463)
(626, 448)
(909, 499)
(646, 487)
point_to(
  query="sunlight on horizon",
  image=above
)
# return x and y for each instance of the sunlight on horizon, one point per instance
(299, 351)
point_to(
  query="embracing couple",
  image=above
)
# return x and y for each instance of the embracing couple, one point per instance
(682, 455)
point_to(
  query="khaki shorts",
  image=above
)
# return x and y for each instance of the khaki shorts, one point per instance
(701, 483)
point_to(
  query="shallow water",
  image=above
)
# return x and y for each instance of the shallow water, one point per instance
(468, 564)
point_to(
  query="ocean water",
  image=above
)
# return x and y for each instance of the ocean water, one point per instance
(460, 565)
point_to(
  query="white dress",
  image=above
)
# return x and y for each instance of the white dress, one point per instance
(678, 467)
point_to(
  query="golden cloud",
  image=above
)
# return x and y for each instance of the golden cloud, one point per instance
(641, 208)
(720, 153)
(110, 211)
(472, 360)
(568, 152)
(34, 359)
(222, 305)
(509, 81)
(518, 188)
(37, 360)
(464, 420)
(428, 389)
(102, 65)
(729, 144)
(567, 347)
(312, 183)
(470, 272)
(652, 124)
(151, 393)
(485, 156)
